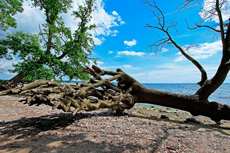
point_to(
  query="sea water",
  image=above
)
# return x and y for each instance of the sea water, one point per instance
(221, 95)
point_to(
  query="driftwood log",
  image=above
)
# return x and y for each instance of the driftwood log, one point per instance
(98, 92)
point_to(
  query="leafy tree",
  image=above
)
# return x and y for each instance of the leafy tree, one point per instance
(8, 9)
(59, 43)
(41, 73)
(128, 91)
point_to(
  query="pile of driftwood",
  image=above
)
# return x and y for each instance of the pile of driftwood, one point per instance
(118, 92)
(94, 94)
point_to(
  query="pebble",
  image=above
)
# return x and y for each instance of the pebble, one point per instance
(193, 120)
(163, 117)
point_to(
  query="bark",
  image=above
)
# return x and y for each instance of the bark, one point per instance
(99, 93)
(190, 103)
(14, 81)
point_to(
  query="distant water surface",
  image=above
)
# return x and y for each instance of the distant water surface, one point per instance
(221, 95)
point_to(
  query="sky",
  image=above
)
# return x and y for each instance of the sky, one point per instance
(123, 40)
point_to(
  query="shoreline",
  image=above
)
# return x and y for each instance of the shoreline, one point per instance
(41, 129)
(157, 115)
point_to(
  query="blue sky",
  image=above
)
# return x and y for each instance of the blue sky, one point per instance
(122, 40)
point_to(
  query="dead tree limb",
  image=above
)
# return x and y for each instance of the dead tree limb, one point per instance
(99, 93)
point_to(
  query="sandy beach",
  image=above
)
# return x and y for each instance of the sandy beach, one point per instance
(39, 129)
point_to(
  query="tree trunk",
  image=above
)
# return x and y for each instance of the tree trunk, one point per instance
(190, 103)
(99, 93)
(15, 80)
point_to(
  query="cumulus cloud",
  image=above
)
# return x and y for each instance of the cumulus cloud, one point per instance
(164, 50)
(202, 51)
(110, 52)
(99, 63)
(30, 18)
(114, 33)
(121, 66)
(104, 20)
(132, 53)
(130, 43)
(208, 9)
(5, 65)
(130, 67)
(115, 13)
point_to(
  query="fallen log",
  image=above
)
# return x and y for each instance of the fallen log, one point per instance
(97, 93)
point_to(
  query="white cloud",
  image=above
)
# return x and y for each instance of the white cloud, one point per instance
(138, 74)
(202, 51)
(6, 65)
(110, 52)
(120, 20)
(114, 33)
(105, 21)
(132, 53)
(210, 5)
(99, 63)
(120, 66)
(130, 67)
(115, 13)
(164, 50)
(98, 41)
(175, 73)
(30, 18)
(130, 43)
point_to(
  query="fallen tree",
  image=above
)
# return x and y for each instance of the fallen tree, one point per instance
(99, 93)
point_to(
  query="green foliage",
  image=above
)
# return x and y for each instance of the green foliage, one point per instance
(41, 73)
(8, 8)
(65, 54)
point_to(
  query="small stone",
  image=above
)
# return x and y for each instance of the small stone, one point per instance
(193, 120)
(162, 110)
(163, 117)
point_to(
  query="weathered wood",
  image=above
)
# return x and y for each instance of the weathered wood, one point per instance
(4, 92)
(34, 84)
(98, 93)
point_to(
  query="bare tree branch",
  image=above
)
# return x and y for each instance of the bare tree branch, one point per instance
(221, 22)
(201, 26)
(169, 39)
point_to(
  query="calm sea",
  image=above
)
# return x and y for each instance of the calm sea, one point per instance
(221, 95)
